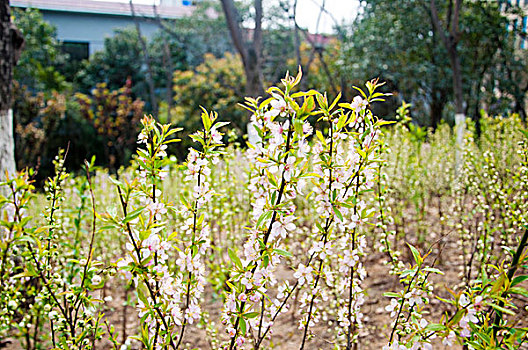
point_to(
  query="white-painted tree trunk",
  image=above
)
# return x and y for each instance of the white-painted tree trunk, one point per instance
(460, 127)
(7, 144)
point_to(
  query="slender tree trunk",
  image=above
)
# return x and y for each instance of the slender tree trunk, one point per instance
(167, 57)
(148, 63)
(450, 37)
(253, 75)
(519, 108)
(454, 59)
(11, 42)
(250, 51)
(168, 75)
(437, 107)
(7, 143)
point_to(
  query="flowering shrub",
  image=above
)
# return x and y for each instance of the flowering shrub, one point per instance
(317, 234)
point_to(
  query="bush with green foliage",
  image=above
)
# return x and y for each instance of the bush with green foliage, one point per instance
(115, 116)
(46, 122)
(217, 82)
(39, 62)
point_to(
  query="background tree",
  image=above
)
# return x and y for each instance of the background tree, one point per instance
(11, 42)
(250, 50)
(42, 62)
(449, 32)
(119, 60)
(398, 42)
(46, 117)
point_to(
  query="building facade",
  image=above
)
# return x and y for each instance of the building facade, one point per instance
(82, 25)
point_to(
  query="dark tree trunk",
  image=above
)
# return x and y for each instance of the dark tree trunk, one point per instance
(148, 63)
(450, 40)
(520, 108)
(11, 42)
(450, 37)
(250, 51)
(454, 59)
(438, 102)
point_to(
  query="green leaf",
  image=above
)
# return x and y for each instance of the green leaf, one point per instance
(391, 295)
(271, 178)
(235, 259)
(385, 122)
(519, 279)
(264, 216)
(433, 270)
(251, 314)
(434, 327)
(242, 326)
(30, 272)
(417, 257)
(484, 337)
(115, 182)
(361, 91)
(338, 97)
(132, 215)
(205, 119)
(458, 316)
(342, 121)
(283, 253)
(320, 137)
(519, 290)
(338, 213)
(305, 93)
(220, 124)
(502, 309)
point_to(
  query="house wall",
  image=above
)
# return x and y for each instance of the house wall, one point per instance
(93, 28)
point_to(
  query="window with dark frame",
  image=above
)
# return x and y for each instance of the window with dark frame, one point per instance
(78, 50)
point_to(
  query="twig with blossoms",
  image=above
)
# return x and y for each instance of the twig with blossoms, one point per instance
(147, 248)
(16, 194)
(342, 210)
(411, 300)
(278, 170)
(191, 257)
(59, 289)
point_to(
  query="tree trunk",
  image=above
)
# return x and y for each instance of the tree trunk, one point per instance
(438, 101)
(249, 51)
(168, 75)
(148, 63)
(253, 75)
(457, 79)
(11, 42)
(450, 40)
(7, 143)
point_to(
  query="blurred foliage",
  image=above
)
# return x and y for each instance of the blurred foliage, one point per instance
(218, 84)
(115, 116)
(38, 62)
(121, 59)
(45, 124)
(194, 65)
(397, 42)
(194, 36)
(183, 41)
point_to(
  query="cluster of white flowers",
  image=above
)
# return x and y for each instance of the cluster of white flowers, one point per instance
(417, 326)
(175, 291)
(407, 308)
(277, 160)
(191, 258)
(344, 168)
